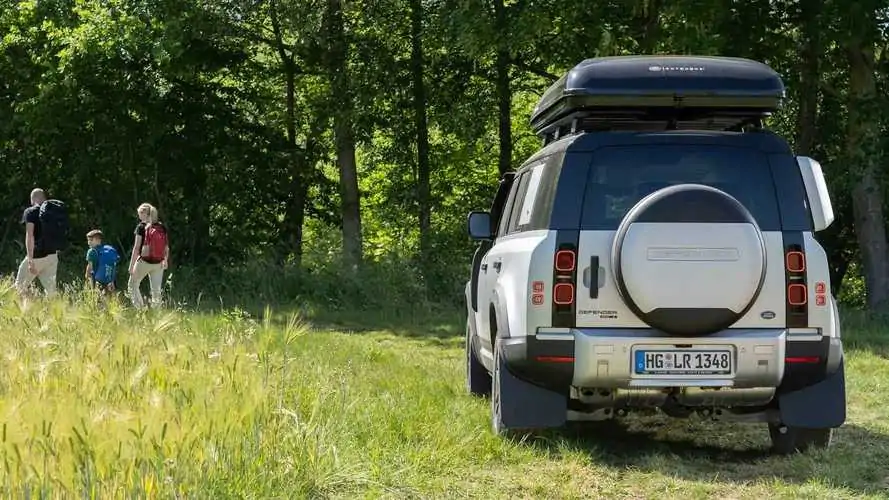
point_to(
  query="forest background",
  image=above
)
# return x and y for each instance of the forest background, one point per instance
(327, 151)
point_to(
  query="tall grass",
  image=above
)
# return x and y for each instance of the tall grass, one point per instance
(103, 401)
(399, 289)
(106, 402)
(112, 403)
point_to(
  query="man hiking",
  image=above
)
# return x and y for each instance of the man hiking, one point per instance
(46, 225)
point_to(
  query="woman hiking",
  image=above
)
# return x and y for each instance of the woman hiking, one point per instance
(150, 256)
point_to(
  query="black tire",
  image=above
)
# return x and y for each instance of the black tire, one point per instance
(496, 417)
(478, 380)
(788, 440)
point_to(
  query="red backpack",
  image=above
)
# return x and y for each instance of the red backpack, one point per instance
(155, 243)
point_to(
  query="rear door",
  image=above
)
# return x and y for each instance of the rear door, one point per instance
(491, 262)
(620, 176)
(497, 209)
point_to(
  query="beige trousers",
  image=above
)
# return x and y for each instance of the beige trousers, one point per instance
(155, 273)
(45, 268)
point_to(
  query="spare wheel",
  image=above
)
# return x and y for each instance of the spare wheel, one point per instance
(689, 260)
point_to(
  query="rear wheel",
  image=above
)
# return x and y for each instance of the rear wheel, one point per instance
(478, 380)
(788, 440)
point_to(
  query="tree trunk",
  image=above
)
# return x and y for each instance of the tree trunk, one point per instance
(424, 208)
(867, 199)
(838, 269)
(810, 76)
(294, 212)
(650, 24)
(344, 137)
(503, 89)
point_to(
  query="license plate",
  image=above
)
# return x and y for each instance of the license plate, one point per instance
(682, 362)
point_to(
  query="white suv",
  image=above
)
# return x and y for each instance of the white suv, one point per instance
(658, 253)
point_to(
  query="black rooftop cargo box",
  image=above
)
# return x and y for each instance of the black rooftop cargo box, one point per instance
(658, 92)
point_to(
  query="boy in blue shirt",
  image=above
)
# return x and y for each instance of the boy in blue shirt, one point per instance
(101, 262)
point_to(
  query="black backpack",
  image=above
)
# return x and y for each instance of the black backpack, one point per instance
(53, 226)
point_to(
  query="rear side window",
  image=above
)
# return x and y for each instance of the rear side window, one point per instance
(518, 203)
(621, 176)
(508, 208)
(531, 198)
(528, 202)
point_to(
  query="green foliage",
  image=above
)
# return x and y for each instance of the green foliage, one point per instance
(183, 104)
(853, 293)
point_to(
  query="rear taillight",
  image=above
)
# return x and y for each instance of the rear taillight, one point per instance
(795, 261)
(563, 294)
(820, 294)
(802, 360)
(563, 289)
(564, 281)
(565, 261)
(797, 292)
(555, 359)
(797, 295)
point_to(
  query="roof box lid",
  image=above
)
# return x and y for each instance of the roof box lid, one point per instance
(712, 85)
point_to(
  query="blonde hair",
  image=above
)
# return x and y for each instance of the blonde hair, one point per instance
(152, 212)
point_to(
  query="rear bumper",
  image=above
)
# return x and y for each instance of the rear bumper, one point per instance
(602, 358)
(544, 360)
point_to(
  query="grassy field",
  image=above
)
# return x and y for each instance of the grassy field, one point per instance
(112, 405)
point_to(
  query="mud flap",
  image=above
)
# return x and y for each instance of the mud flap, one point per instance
(527, 406)
(818, 406)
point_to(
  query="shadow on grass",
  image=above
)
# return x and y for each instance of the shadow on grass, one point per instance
(441, 328)
(438, 325)
(724, 452)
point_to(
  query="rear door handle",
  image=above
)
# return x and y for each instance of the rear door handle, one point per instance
(591, 277)
(497, 265)
(594, 277)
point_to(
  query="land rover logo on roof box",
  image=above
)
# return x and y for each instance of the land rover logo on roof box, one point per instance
(675, 68)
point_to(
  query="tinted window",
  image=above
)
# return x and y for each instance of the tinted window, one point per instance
(510, 202)
(528, 210)
(546, 192)
(499, 203)
(518, 203)
(621, 176)
(792, 198)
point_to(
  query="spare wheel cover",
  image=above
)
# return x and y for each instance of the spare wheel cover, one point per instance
(689, 260)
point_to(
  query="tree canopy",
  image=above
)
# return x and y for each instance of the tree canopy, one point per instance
(336, 135)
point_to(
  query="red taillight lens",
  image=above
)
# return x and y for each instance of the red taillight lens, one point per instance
(795, 261)
(565, 261)
(555, 359)
(563, 294)
(802, 359)
(797, 294)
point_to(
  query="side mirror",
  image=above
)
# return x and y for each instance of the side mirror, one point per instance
(480, 225)
(816, 191)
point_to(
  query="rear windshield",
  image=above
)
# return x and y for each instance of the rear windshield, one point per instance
(621, 176)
